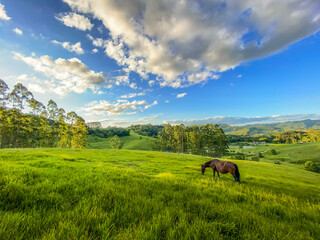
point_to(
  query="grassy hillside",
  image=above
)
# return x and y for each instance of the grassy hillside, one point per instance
(122, 194)
(132, 142)
(269, 128)
(294, 153)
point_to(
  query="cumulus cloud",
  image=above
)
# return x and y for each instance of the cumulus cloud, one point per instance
(75, 20)
(190, 42)
(3, 14)
(118, 108)
(94, 50)
(132, 95)
(17, 31)
(65, 75)
(70, 47)
(181, 95)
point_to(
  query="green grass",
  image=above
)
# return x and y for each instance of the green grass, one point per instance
(293, 153)
(124, 194)
(132, 142)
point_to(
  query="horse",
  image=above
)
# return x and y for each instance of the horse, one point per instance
(222, 167)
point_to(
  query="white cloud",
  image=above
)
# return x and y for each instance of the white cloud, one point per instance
(181, 95)
(3, 14)
(149, 118)
(133, 86)
(94, 50)
(167, 101)
(132, 95)
(18, 31)
(190, 42)
(65, 75)
(33, 87)
(75, 20)
(118, 108)
(239, 76)
(151, 83)
(70, 47)
(150, 105)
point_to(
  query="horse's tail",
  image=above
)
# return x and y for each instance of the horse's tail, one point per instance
(237, 173)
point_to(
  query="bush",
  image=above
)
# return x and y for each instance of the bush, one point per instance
(239, 156)
(255, 158)
(260, 155)
(311, 166)
(273, 152)
(277, 162)
(115, 142)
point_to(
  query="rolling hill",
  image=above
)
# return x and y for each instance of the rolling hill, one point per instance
(270, 128)
(292, 153)
(132, 142)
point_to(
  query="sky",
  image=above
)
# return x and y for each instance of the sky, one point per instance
(148, 61)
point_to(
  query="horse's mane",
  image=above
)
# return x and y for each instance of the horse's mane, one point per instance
(211, 161)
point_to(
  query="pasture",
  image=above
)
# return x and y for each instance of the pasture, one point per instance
(132, 142)
(291, 153)
(125, 194)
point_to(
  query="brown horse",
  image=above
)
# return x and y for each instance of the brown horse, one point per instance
(222, 167)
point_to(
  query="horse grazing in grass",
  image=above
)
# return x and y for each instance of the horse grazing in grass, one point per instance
(222, 167)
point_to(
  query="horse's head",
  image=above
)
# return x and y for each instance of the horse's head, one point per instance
(203, 169)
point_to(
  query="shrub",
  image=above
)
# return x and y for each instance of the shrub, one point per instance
(255, 158)
(311, 166)
(115, 142)
(277, 162)
(240, 156)
(260, 155)
(273, 152)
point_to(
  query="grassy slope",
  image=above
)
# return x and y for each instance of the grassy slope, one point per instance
(294, 153)
(121, 194)
(132, 142)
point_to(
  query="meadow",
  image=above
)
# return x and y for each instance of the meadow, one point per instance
(132, 142)
(293, 153)
(126, 194)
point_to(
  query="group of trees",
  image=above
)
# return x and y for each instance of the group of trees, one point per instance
(310, 135)
(147, 129)
(109, 132)
(26, 122)
(207, 140)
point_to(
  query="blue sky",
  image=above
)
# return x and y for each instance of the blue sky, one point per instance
(154, 61)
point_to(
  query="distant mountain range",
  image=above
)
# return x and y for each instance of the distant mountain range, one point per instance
(240, 121)
(243, 125)
(270, 128)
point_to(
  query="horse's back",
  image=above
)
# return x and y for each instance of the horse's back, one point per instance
(225, 166)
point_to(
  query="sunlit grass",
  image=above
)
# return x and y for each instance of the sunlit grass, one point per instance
(293, 153)
(122, 194)
(132, 142)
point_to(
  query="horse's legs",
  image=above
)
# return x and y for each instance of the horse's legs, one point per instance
(218, 174)
(214, 174)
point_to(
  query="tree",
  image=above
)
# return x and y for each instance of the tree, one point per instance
(115, 142)
(3, 93)
(19, 95)
(36, 107)
(79, 134)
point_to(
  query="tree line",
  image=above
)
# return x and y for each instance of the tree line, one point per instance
(109, 132)
(206, 140)
(147, 129)
(294, 136)
(28, 123)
